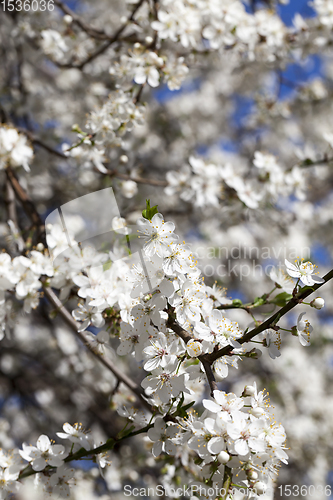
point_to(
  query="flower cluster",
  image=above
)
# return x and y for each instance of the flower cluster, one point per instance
(135, 324)
(209, 183)
(234, 432)
(14, 149)
(48, 460)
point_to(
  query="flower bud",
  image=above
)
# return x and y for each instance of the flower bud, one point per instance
(68, 19)
(249, 390)
(123, 159)
(129, 189)
(294, 331)
(40, 247)
(194, 348)
(149, 40)
(223, 457)
(252, 474)
(317, 303)
(259, 488)
(118, 223)
(254, 353)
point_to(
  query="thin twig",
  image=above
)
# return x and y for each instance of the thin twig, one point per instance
(90, 30)
(42, 144)
(27, 204)
(10, 201)
(138, 180)
(104, 46)
(56, 302)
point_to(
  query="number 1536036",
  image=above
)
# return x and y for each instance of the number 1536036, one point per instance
(304, 490)
(27, 5)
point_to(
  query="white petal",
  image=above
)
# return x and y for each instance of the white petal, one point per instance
(43, 443)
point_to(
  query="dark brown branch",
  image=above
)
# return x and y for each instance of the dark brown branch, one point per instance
(39, 142)
(10, 201)
(208, 359)
(299, 297)
(27, 204)
(183, 334)
(209, 374)
(186, 337)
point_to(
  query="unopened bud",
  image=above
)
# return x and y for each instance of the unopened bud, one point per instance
(123, 159)
(254, 353)
(149, 40)
(249, 390)
(68, 19)
(40, 247)
(223, 457)
(129, 188)
(252, 474)
(317, 303)
(76, 128)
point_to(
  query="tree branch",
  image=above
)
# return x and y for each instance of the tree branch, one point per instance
(27, 204)
(82, 452)
(299, 297)
(105, 46)
(209, 373)
(186, 337)
(56, 302)
(67, 317)
(10, 201)
(139, 180)
(90, 30)
(39, 142)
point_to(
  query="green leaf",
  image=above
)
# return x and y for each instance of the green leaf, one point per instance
(281, 299)
(182, 410)
(181, 401)
(305, 288)
(237, 302)
(186, 407)
(149, 212)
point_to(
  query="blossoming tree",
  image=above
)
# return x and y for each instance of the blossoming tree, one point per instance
(147, 354)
